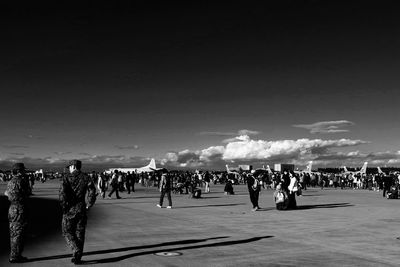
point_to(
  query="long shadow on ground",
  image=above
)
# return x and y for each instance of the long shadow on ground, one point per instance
(324, 206)
(212, 205)
(183, 242)
(44, 219)
(105, 251)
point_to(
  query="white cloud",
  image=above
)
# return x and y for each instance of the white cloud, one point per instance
(248, 132)
(244, 149)
(211, 153)
(238, 133)
(127, 147)
(326, 126)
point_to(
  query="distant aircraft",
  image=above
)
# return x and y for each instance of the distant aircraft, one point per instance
(266, 169)
(380, 171)
(360, 172)
(151, 167)
(235, 173)
(307, 170)
(384, 173)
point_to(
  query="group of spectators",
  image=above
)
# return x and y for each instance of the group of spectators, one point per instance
(181, 182)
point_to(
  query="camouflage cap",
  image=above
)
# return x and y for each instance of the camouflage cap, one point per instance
(18, 166)
(75, 162)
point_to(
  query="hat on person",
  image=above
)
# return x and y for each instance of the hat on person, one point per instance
(75, 162)
(18, 167)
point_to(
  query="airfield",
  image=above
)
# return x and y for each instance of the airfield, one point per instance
(330, 228)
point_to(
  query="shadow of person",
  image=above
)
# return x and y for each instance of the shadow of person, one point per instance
(324, 206)
(172, 243)
(40, 224)
(212, 205)
(218, 244)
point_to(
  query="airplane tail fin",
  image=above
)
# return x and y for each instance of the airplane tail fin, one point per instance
(227, 168)
(269, 169)
(152, 164)
(309, 166)
(345, 169)
(364, 167)
(380, 170)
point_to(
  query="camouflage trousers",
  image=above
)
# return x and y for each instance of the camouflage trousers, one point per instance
(17, 224)
(73, 229)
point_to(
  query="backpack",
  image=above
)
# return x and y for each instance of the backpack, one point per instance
(280, 197)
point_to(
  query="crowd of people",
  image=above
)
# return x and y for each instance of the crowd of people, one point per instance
(75, 185)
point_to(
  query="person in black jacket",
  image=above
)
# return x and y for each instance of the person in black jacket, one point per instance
(254, 188)
(285, 180)
(387, 183)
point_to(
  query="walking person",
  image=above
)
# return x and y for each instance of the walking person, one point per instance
(18, 191)
(130, 182)
(165, 188)
(114, 185)
(73, 191)
(102, 184)
(254, 188)
(207, 180)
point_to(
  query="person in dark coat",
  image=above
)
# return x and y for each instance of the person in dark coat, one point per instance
(114, 185)
(130, 182)
(254, 187)
(73, 191)
(285, 180)
(18, 191)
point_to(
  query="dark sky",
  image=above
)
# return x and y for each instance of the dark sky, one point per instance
(120, 82)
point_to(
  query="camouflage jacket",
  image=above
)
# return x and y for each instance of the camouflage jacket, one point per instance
(73, 191)
(18, 190)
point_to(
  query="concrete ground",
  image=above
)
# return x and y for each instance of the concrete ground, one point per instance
(330, 228)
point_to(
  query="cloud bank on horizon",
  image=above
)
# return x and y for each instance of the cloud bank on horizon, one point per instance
(241, 149)
(244, 149)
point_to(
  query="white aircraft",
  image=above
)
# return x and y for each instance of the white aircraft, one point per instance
(151, 167)
(267, 169)
(235, 173)
(360, 172)
(307, 170)
(385, 173)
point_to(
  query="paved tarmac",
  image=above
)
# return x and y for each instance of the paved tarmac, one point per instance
(330, 228)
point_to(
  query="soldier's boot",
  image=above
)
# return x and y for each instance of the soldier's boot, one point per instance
(77, 257)
(19, 259)
(16, 243)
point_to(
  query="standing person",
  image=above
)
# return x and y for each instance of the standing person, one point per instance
(114, 185)
(121, 178)
(254, 188)
(293, 188)
(18, 191)
(387, 183)
(207, 180)
(165, 188)
(102, 184)
(130, 182)
(72, 196)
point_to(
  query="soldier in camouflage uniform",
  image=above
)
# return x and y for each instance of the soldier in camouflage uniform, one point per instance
(72, 196)
(18, 191)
